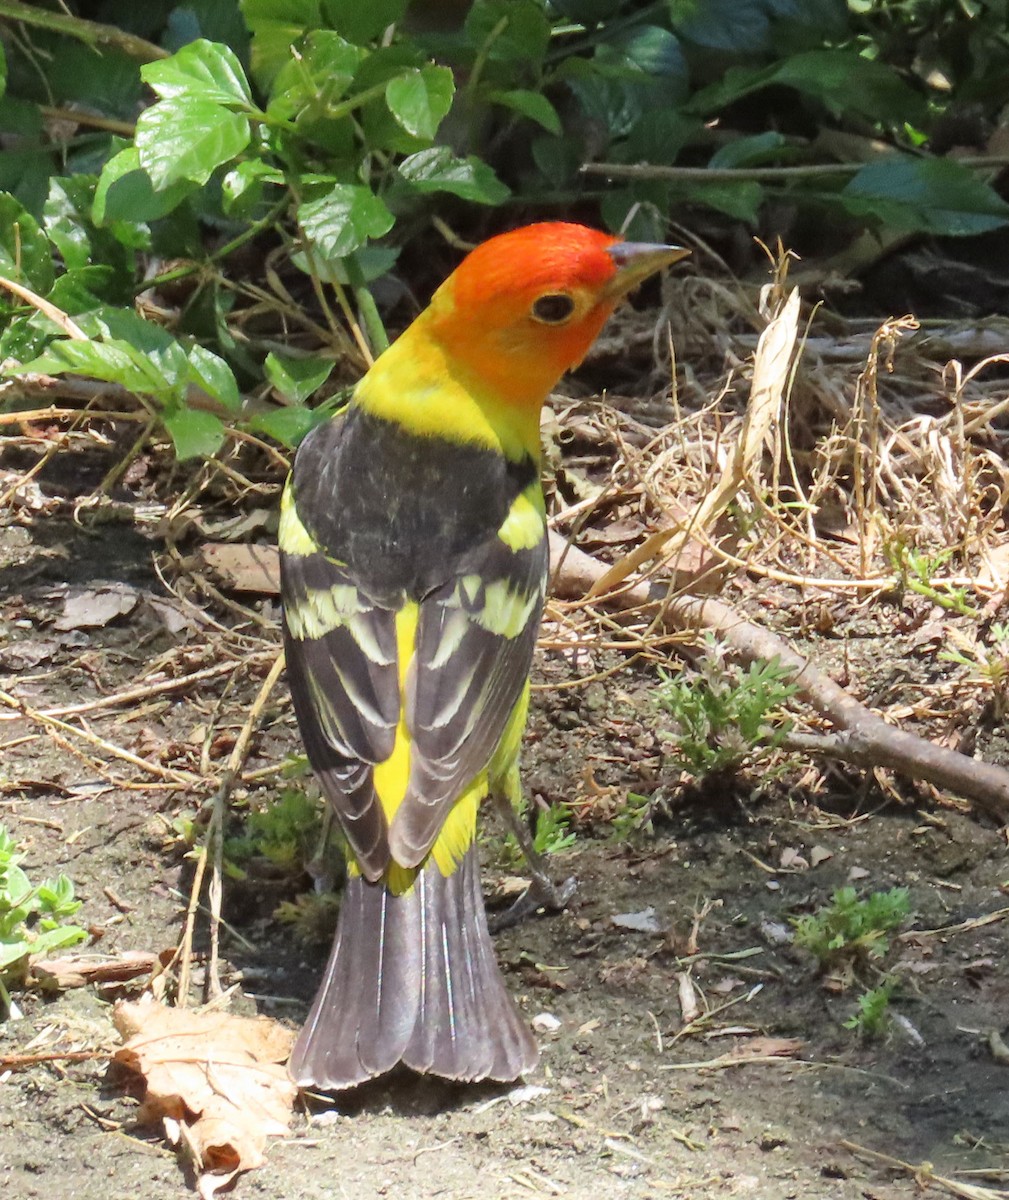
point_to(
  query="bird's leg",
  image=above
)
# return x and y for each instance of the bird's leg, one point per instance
(542, 892)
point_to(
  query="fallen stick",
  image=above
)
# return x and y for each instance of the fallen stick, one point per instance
(862, 738)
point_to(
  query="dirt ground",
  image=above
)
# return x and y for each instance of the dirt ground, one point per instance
(764, 1098)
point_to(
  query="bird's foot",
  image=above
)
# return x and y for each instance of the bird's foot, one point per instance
(542, 895)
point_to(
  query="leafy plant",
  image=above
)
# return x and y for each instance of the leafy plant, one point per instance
(872, 1018)
(33, 920)
(849, 932)
(553, 830)
(987, 665)
(286, 833)
(848, 937)
(311, 915)
(916, 573)
(725, 714)
(553, 834)
(330, 135)
(633, 814)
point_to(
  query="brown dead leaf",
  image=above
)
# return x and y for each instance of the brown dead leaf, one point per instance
(244, 568)
(94, 608)
(216, 1081)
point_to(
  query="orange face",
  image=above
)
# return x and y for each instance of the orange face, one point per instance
(525, 307)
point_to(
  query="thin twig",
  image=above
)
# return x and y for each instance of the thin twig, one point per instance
(865, 738)
(132, 695)
(770, 174)
(184, 778)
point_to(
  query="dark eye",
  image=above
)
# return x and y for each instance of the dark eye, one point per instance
(554, 308)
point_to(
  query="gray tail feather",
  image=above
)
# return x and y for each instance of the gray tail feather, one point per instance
(413, 979)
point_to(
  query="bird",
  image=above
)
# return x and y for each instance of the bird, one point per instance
(413, 549)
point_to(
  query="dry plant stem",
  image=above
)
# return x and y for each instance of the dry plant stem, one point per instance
(53, 726)
(92, 33)
(924, 1174)
(17, 1062)
(215, 839)
(770, 377)
(144, 692)
(863, 738)
(736, 174)
(56, 315)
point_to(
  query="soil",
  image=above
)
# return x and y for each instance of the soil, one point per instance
(758, 1100)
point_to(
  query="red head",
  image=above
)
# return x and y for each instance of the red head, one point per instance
(525, 307)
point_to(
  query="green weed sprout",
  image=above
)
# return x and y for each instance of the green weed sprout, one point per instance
(725, 714)
(987, 665)
(872, 1018)
(849, 935)
(33, 920)
(552, 835)
(916, 573)
(852, 931)
(285, 833)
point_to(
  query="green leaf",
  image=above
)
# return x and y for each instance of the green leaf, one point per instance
(62, 217)
(648, 50)
(196, 434)
(215, 377)
(420, 100)
(57, 939)
(929, 195)
(749, 151)
(840, 79)
(105, 81)
(626, 211)
(242, 187)
(125, 192)
(533, 105)
(276, 26)
(615, 105)
(318, 77)
(344, 218)
(3, 70)
(509, 31)
(297, 378)
(289, 425)
(722, 24)
(114, 361)
(438, 170)
(84, 289)
(200, 71)
(188, 139)
(848, 83)
(658, 136)
(736, 199)
(25, 253)
(362, 23)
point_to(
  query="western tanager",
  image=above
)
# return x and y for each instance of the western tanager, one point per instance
(414, 566)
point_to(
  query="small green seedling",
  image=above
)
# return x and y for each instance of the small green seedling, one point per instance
(553, 834)
(33, 920)
(916, 573)
(988, 666)
(849, 932)
(311, 915)
(872, 1019)
(553, 830)
(635, 813)
(848, 937)
(286, 833)
(725, 714)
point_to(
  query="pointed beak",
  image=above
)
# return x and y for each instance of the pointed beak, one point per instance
(635, 261)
